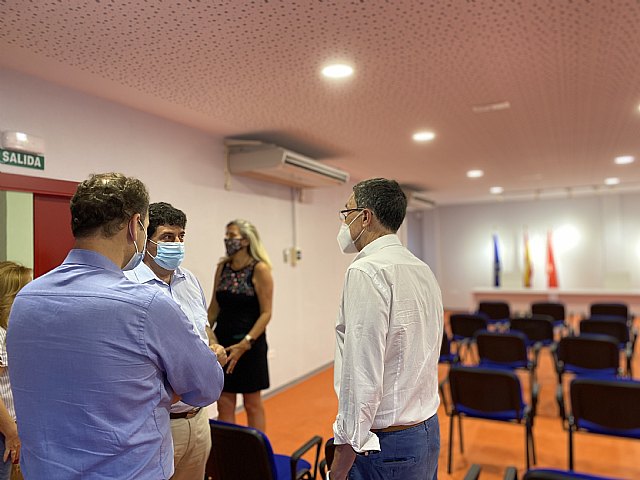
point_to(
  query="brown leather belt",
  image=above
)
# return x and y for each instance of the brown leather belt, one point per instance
(395, 428)
(187, 415)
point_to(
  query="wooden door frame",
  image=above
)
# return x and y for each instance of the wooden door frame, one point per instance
(39, 185)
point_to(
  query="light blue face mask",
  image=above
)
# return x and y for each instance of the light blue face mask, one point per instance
(139, 255)
(169, 255)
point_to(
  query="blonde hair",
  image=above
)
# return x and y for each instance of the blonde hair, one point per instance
(13, 277)
(256, 248)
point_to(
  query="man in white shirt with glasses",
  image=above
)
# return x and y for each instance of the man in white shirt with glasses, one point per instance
(388, 337)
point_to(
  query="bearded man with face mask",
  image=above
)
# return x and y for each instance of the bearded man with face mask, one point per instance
(97, 360)
(388, 337)
(161, 268)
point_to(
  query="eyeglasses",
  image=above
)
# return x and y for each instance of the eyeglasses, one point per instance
(343, 214)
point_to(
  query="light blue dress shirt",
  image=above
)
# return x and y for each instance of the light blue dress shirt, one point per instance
(186, 291)
(95, 360)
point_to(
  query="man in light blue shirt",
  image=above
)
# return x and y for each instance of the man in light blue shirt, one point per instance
(161, 269)
(97, 360)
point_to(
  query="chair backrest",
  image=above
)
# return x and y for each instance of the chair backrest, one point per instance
(445, 350)
(615, 328)
(537, 327)
(486, 393)
(609, 309)
(502, 349)
(495, 310)
(445, 346)
(554, 309)
(465, 325)
(232, 445)
(590, 353)
(610, 407)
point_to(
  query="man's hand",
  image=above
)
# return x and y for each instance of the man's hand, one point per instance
(342, 462)
(220, 352)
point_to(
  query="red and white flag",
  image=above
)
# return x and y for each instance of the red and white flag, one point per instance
(552, 276)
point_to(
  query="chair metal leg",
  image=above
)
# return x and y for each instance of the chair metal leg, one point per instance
(450, 443)
(526, 445)
(570, 446)
(533, 446)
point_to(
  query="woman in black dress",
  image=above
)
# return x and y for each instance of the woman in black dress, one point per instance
(239, 312)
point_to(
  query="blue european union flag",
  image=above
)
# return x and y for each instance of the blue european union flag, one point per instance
(496, 262)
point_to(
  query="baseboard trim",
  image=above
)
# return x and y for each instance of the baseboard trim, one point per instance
(290, 384)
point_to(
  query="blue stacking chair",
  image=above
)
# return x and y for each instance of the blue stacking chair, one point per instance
(463, 328)
(506, 351)
(244, 453)
(496, 313)
(538, 328)
(551, 474)
(489, 394)
(605, 407)
(615, 328)
(446, 355)
(586, 355)
(620, 310)
(555, 310)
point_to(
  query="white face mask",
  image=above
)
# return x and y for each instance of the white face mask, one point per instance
(347, 244)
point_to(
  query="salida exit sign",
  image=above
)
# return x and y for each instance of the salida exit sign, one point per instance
(21, 159)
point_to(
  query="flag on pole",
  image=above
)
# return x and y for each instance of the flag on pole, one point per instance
(552, 276)
(528, 267)
(496, 262)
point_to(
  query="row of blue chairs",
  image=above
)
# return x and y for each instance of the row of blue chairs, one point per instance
(538, 332)
(499, 312)
(601, 406)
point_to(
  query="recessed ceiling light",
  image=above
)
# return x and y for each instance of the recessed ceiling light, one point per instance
(611, 181)
(496, 190)
(425, 136)
(491, 107)
(475, 173)
(338, 70)
(624, 160)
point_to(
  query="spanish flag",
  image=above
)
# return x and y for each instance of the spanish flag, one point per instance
(528, 267)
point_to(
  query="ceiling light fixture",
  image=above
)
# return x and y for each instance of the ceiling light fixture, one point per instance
(475, 173)
(337, 70)
(424, 136)
(491, 107)
(611, 181)
(496, 190)
(624, 160)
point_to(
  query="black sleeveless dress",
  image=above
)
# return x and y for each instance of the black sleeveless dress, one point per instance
(238, 312)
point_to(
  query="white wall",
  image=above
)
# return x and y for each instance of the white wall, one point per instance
(184, 166)
(595, 239)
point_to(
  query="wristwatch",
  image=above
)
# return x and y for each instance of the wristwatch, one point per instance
(250, 340)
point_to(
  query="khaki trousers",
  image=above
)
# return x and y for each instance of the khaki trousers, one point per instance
(191, 446)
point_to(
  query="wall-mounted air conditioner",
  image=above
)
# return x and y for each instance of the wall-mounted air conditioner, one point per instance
(417, 201)
(279, 165)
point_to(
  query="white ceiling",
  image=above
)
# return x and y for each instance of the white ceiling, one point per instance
(569, 69)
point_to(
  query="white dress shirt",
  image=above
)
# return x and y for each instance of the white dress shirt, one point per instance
(388, 337)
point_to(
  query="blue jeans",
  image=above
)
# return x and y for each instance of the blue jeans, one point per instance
(410, 454)
(5, 467)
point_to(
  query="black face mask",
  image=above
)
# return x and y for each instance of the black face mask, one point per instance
(232, 245)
